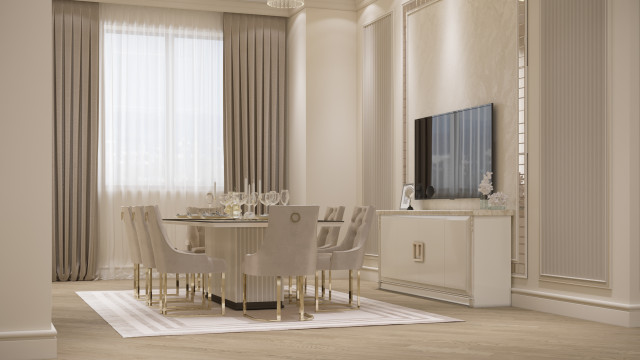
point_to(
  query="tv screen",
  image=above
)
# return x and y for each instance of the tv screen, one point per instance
(452, 153)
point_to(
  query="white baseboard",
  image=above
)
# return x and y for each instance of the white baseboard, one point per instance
(580, 308)
(19, 345)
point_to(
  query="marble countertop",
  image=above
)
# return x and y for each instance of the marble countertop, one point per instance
(474, 212)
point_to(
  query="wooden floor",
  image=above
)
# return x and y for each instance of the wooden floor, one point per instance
(497, 333)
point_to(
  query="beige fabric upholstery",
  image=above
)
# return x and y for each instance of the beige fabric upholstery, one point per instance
(132, 237)
(289, 247)
(329, 213)
(146, 249)
(195, 234)
(170, 260)
(349, 255)
(333, 232)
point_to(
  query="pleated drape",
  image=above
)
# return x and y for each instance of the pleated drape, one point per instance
(254, 101)
(76, 37)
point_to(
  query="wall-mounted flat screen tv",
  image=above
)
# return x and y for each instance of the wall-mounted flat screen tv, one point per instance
(452, 153)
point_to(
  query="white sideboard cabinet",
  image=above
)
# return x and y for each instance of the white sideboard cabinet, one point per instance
(462, 256)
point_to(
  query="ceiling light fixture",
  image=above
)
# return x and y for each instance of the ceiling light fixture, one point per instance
(285, 4)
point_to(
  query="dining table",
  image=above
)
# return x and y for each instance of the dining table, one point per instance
(230, 239)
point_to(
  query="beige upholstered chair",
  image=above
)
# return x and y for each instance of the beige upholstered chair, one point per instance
(349, 254)
(328, 235)
(195, 234)
(288, 249)
(134, 247)
(170, 260)
(146, 254)
(146, 251)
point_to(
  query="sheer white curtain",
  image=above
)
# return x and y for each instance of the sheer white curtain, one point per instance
(161, 139)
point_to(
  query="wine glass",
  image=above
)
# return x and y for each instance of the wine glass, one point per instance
(284, 197)
(252, 201)
(210, 199)
(273, 197)
(237, 202)
(226, 199)
(264, 201)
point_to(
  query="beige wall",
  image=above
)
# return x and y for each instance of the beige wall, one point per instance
(331, 107)
(452, 24)
(26, 135)
(619, 303)
(322, 107)
(462, 49)
(460, 54)
(296, 107)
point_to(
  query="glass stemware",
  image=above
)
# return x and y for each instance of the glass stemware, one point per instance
(226, 200)
(284, 197)
(251, 202)
(210, 199)
(264, 202)
(239, 199)
(273, 197)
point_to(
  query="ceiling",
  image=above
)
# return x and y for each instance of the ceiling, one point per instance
(258, 7)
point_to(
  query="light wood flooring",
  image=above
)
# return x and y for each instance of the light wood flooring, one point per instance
(496, 333)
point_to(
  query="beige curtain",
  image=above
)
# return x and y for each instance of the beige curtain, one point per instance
(75, 140)
(254, 101)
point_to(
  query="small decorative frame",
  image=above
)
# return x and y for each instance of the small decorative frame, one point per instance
(405, 199)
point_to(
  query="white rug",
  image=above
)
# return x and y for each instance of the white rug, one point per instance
(132, 318)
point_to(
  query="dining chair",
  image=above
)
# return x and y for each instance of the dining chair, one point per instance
(330, 214)
(171, 260)
(195, 234)
(288, 249)
(146, 254)
(328, 235)
(349, 254)
(195, 243)
(126, 215)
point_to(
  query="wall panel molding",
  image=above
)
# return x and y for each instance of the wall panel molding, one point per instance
(574, 239)
(377, 119)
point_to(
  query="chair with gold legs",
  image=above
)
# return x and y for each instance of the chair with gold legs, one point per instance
(134, 247)
(146, 253)
(288, 249)
(328, 235)
(170, 260)
(349, 254)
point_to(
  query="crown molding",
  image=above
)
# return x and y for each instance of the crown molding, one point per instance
(360, 4)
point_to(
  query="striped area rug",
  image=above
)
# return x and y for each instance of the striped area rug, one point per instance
(132, 318)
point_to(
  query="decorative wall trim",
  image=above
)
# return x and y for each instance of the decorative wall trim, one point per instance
(29, 344)
(575, 216)
(589, 309)
(377, 119)
(408, 8)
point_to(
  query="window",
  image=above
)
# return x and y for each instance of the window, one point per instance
(162, 104)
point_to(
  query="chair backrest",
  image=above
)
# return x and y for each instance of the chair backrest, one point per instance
(358, 230)
(329, 214)
(195, 234)
(132, 237)
(334, 231)
(146, 249)
(162, 250)
(289, 244)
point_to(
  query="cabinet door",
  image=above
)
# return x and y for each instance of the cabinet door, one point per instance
(457, 253)
(397, 239)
